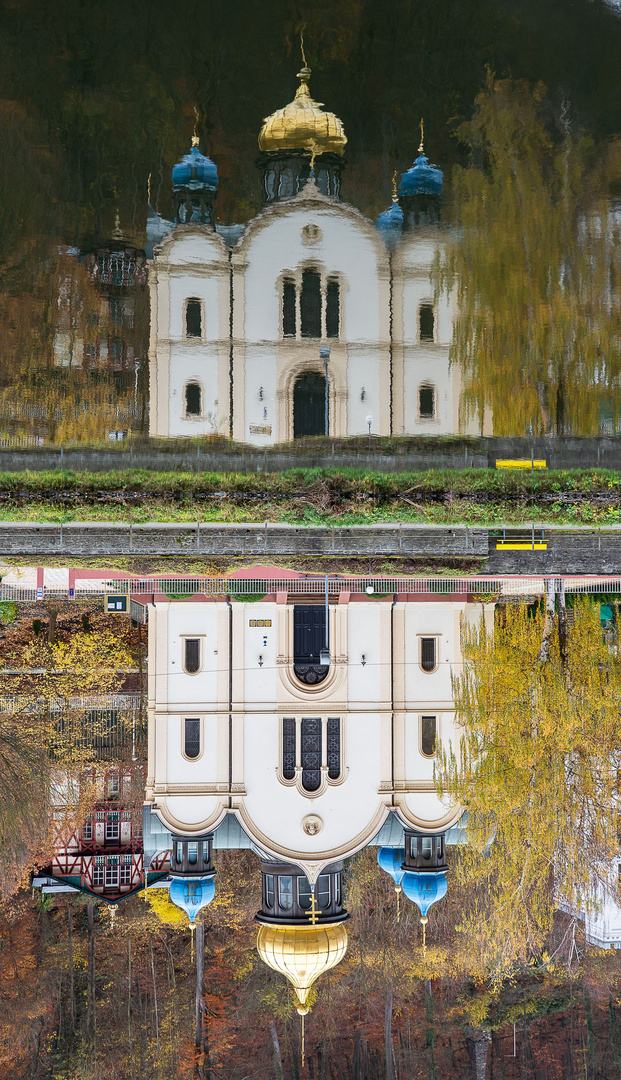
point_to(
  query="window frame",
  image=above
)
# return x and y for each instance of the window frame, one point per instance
(436, 639)
(201, 414)
(326, 278)
(425, 716)
(199, 721)
(192, 637)
(426, 305)
(297, 779)
(425, 418)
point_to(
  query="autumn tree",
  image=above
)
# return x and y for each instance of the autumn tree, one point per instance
(537, 771)
(536, 263)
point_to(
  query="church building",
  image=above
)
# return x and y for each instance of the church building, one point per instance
(310, 319)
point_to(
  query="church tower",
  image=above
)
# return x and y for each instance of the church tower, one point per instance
(297, 138)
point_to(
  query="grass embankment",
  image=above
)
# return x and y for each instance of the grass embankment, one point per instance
(315, 496)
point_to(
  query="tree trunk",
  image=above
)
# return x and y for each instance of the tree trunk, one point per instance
(90, 990)
(71, 971)
(277, 1056)
(51, 626)
(388, 1034)
(200, 981)
(562, 622)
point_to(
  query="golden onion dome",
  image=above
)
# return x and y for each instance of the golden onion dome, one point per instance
(302, 125)
(302, 953)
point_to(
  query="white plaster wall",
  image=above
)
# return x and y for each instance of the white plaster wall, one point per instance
(363, 370)
(347, 247)
(363, 636)
(192, 620)
(201, 770)
(260, 373)
(259, 682)
(429, 620)
(194, 362)
(346, 809)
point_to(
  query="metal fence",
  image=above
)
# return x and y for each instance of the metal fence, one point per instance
(177, 588)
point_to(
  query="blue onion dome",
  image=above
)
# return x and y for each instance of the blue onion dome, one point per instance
(195, 170)
(192, 894)
(424, 889)
(390, 222)
(390, 859)
(422, 178)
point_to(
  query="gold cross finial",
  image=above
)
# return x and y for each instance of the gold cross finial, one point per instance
(314, 917)
(304, 64)
(149, 189)
(424, 922)
(395, 181)
(421, 148)
(195, 139)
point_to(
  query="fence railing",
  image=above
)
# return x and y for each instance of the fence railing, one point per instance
(181, 587)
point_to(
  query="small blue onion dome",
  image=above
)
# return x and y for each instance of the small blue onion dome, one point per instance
(195, 171)
(424, 888)
(422, 179)
(391, 218)
(192, 894)
(390, 859)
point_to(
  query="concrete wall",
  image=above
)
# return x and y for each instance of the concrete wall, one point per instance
(566, 453)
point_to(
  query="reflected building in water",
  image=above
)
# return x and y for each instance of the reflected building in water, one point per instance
(256, 741)
(310, 319)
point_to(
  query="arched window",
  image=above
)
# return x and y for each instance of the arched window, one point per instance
(288, 308)
(425, 322)
(311, 753)
(333, 738)
(426, 847)
(426, 403)
(333, 309)
(323, 891)
(285, 892)
(192, 655)
(192, 742)
(428, 659)
(288, 749)
(428, 735)
(193, 318)
(310, 304)
(193, 402)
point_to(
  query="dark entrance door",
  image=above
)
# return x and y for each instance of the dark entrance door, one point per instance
(309, 632)
(309, 405)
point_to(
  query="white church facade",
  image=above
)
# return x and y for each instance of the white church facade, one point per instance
(245, 720)
(310, 319)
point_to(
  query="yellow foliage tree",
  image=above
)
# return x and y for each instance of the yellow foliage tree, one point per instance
(537, 771)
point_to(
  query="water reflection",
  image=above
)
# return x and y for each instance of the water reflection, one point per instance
(303, 832)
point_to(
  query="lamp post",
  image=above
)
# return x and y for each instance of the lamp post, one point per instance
(324, 654)
(369, 420)
(324, 354)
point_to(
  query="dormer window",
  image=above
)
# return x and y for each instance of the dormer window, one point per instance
(193, 318)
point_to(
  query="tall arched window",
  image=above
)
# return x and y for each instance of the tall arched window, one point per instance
(288, 749)
(193, 400)
(311, 753)
(426, 403)
(288, 308)
(192, 655)
(310, 304)
(428, 735)
(333, 309)
(428, 650)
(193, 318)
(192, 742)
(425, 322)
(333, 737)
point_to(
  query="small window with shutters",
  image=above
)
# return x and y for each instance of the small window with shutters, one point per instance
(428, 732)
(425, 322)
(192, 739)
(333, 309)
(288, 308)
(193, 318)
(428, 654)
(192, 655)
